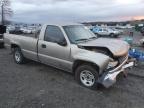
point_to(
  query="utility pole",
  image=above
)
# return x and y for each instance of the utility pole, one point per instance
(5, 10)
(2, 14)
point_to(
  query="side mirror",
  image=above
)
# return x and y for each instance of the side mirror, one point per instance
(62, 43)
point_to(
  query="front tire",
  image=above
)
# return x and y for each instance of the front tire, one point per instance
(87, 76)
(112, 35)
(18, 56)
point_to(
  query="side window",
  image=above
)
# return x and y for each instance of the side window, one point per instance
(53, 34)
(100, 29)
(106, 30)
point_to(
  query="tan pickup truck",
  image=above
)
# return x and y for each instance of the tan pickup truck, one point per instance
(73, 48)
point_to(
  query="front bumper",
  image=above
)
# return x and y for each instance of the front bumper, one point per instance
(109, 78)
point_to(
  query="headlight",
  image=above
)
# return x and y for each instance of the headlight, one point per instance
(112, 64)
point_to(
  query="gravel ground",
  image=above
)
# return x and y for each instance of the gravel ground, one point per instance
(34, 85)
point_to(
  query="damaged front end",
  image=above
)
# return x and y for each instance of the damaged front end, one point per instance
(116, 65)
(108, 78)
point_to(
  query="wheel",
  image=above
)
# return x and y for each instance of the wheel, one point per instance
(97, 34)
(87, 76)
(111, 35)
(18, 56)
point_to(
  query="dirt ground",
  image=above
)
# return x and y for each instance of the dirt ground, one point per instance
(34, 85)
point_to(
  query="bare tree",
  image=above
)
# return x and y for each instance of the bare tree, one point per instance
(5, 10)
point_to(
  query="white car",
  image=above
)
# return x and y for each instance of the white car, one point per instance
(106, 32)
(119, 30)
(25, 30)
(33, 30)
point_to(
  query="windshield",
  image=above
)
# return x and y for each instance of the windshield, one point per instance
(78, 33)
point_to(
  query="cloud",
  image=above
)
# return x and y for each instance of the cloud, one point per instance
(75, 10)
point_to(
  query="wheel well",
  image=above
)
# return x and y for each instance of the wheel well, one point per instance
(80, 62)
(13, 46)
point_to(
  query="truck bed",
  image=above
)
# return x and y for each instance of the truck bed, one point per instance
(28, 44)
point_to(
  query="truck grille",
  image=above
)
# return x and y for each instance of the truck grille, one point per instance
(122, 59)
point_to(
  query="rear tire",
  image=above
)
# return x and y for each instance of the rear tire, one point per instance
(87, 76)
(18, 56)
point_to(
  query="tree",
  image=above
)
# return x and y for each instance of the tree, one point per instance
(5, 10)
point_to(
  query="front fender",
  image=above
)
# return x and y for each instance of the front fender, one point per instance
(99, 59)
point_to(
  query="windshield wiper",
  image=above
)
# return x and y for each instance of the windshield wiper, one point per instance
(84, 39)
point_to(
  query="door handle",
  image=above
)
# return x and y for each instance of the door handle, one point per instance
(43, 46)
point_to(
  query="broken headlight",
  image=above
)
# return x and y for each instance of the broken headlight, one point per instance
(112, 64)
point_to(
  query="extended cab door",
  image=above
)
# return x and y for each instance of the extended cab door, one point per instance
(53, 49)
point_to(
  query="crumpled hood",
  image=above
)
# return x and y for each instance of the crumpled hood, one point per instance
(117, 47)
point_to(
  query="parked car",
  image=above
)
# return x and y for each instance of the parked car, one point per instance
(2, 31)
(105, 32)
(142, 42)
(26, 30)
(1, 41)
(17, 30)
(119, 30)
(33, 30)
(142, 31)
(73, 48)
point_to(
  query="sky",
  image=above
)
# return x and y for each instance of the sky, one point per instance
(40, 11)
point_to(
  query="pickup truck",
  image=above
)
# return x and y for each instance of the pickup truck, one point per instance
(73, 48)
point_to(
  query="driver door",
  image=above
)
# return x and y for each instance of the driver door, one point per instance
(50, 50)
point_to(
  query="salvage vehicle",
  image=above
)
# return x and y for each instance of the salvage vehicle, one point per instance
(142, 31)
(142, 42)
(1, 41)
(73, 48)
(105, 32)
(120, 31)
(17, 31)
